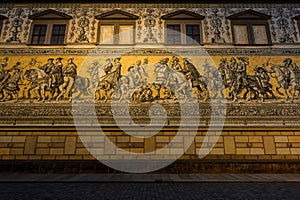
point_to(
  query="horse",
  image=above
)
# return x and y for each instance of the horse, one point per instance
(106, 83)
(178, 84)
(104, 86)
(283, 83)
(39, 82)
(251, 85)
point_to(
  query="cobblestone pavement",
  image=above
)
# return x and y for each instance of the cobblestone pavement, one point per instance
(145, 191)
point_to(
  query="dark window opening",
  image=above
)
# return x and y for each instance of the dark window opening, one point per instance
(193, 34)
(58, 34)
(39, 34)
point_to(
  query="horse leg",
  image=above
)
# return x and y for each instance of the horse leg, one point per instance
(43, 93)
(17, 97)
(88, 89)
(286, 94)
(293, 93)
(246, 93)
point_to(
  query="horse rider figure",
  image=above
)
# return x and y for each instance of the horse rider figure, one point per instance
(12, 83)
(214, 80)
(175, 65)
(191, 73)
(108, 66)
(11, 86)
(162, 71)
(117, 68)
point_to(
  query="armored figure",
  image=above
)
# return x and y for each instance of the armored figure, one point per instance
(108, 66)
(162, 71)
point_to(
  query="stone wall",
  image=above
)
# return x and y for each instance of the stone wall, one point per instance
(236, 148)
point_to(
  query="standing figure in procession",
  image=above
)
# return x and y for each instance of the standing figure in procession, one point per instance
(69, 74)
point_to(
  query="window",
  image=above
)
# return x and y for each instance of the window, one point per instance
(183, 27)
(58, 34)
(2, 18)
(250, 28)
(193, 33)
(39, 34)
(116, 34)
(173, 34)
(116, 27)
(49, 28)
(297, 18)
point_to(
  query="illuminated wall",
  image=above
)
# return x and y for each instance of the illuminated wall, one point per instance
(260, 131)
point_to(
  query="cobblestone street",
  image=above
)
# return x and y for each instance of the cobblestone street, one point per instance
(145, 191)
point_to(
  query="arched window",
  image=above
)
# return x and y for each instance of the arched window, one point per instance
(183, 27)
(250, 28)
(49, 27)
(116, 27)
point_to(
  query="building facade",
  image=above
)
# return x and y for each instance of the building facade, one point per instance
(226, 77)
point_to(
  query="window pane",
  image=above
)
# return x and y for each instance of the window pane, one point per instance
(36, 30)
(125, 34)
(44, 29)
(241, 34)
(193, 34)
(35, 40)
(260, 34)
(62, 30)
(173, 34)
(39, 34)
(54, 40)
(58, 34)
(55, 30)
(107, 34)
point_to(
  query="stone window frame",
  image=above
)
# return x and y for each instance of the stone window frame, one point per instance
(191, 19)
(2, 18)
(59, 19)
(254, 19)
(124, 19)
(297, 19)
